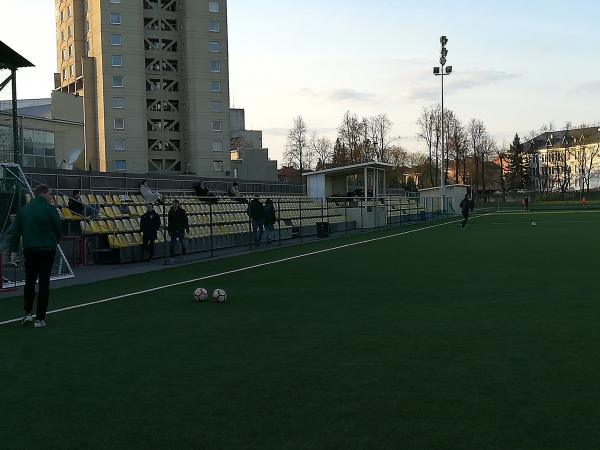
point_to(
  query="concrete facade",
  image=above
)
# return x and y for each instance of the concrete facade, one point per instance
(154, 75)
(249, 160)
(51, 133)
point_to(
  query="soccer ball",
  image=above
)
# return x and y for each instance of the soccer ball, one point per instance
(533, 223)
(219, 296)
(200, 294)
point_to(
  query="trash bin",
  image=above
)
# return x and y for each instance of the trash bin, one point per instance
(323, 229)
(423, 216)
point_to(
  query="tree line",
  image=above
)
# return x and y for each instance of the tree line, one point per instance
(471, 157)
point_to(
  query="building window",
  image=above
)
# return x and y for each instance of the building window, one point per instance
(217, 125)
(64, 74)
(117, 81)
(87, 25)
(215, 66)
(118, 102)
(115, 39)
(115, 19)
(218, 166)
(62, 36)
(119, 124)
(70, 50)
(213, 7)
(217, 146)
(214, 26)
(69, 31)
(69, 10)
(215, 86)
(214, 47)
(71, 70)
(62, 16)
(63, 54)
(119, 145)
(120, 164)
(115, 1)
(216, 107)
(117, 60)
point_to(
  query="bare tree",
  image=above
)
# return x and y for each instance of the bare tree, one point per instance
(476, 132)
(297, 152)
(456, 148)
(322, 149)
(587, 157)
(488, 150)
(351, 136)
(380, 129)
(427, 133)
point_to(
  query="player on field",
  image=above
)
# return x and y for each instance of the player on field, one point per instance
(38, 223)
(525, 204)
(466, 205)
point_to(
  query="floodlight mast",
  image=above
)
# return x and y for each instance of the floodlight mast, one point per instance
(443, 71)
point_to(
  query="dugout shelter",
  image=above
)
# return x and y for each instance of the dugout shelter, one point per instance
(362, 186)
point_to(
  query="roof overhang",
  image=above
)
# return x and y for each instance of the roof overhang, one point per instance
(11, 60)
(354, 169)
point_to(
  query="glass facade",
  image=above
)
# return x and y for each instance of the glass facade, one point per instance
(37, 147)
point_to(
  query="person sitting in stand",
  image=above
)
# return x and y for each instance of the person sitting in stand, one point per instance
(203, 192)
(148, 195)
(234, 192)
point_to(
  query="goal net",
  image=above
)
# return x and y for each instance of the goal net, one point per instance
(15, 192)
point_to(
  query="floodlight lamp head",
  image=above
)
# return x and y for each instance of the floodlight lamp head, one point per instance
(436, 70)
(444, 52)
(443, 41)
(443, 61)
(448, 70)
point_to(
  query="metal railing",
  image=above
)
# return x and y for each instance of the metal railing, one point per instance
(220, 223)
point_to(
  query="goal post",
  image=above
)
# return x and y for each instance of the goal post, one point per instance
(14, 192)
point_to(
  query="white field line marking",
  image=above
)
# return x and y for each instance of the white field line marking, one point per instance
(545, 223)
(531, 213)
(244, 269)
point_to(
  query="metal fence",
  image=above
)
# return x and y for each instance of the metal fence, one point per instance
(216, 224)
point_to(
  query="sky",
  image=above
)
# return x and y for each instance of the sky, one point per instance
(517, 64)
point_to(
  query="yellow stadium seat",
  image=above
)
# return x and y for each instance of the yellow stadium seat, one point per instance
(113, 241)
(119, 227)
(137, 237)
(122, 240)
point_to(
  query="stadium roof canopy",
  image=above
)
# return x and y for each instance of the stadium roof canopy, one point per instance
(11, 60)
(354, 169)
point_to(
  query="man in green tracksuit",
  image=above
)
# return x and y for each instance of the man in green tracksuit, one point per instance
(38, 223)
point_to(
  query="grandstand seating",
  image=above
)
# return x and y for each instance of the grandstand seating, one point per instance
(223, 224)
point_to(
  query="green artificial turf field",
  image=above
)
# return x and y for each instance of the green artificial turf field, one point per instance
(438, 339)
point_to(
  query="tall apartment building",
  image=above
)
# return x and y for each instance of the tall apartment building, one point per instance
(154, 76)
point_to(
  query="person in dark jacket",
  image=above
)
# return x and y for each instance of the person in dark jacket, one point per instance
(178, 226)
(270, 219)
(256, 212)
(75, 204)
(38, 224)
(149, 225)
(466, 205)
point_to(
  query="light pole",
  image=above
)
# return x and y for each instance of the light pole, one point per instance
(442, 72)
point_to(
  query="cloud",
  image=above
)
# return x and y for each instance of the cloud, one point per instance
(339, 95)
(459, 82)
(589, 87)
